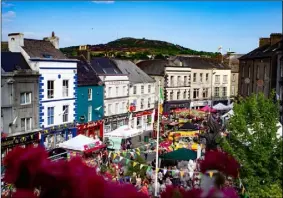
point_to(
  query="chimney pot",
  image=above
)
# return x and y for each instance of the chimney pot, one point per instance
(264, 41)
(53, 34)
(275, 38)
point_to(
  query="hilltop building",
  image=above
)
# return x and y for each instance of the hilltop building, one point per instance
(57, 86)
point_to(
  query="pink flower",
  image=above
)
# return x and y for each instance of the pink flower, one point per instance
(24, 193)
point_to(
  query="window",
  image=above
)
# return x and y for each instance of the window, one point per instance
(171, 95)
(184, 95)
(109, 91)
(148, 118)
(25, 98)
(248, 89)
(142, 89)
(124, 90)
(117, 91)
(139, 122)
(196, 93)
(172, 80)
(194, 77)
(142, 102)
(232, 90)
(50, 89)
(217, 79)
(109, 109)
(178, 95)
(65, 113)
(124, 107)
(225, 79)
(205, 92)
(179, 80)
(257, 73)
(185, 80)
(116, 108)
(265, 72)
(135, 90)
(65, 88)
(26, 124)
(89, 94)
(149, 103)
(224, 92)
(149, 89)
(233, 77)
(249, 72)
(216, 91)
(200, 77)
(206, 77)
(50, 115)
(89, 114)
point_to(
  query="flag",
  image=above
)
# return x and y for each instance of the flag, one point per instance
(161, 96)
(134, 164)
(141, 166)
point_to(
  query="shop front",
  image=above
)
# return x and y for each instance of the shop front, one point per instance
(199, 104)
(23, 140)
(171, 105)
(143, 120)
(51, 137)
(91, 129)
(113, 122)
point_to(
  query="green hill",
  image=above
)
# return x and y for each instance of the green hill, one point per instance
(127, 46)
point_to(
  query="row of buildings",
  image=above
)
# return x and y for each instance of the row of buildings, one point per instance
(48, 98)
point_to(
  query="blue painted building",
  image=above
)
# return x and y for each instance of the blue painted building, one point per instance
(90, 99)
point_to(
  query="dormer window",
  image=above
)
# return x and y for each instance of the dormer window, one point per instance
(47, 56)
(12, 39)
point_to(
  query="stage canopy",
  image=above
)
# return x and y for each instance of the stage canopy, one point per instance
(188, 126)
(180, 154)
(220, 107)
(123, 132)
(208, 109)
(81, 143)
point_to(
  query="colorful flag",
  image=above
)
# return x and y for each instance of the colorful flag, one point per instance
(134, 164)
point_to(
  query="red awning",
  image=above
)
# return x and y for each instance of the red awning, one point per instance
(95, 148)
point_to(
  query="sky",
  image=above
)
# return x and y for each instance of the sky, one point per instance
(197, 25)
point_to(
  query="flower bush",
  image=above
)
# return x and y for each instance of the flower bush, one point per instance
(29, 169)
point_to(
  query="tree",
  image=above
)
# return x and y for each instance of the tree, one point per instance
(253, 142)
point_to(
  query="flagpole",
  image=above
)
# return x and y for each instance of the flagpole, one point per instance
(157, 142)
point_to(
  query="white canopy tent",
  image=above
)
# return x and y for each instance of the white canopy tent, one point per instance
(231, 105)
(220, 107)
(123, 132)
(228, 114)
(78, 143)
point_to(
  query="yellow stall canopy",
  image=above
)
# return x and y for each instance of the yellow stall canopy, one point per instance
(179, 134)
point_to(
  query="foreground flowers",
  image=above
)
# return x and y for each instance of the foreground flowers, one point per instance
(29, 169)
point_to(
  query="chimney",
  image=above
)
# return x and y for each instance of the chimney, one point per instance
(15, 42)
(53, 39)
(275, 38)
(85, 53)
(264, 41)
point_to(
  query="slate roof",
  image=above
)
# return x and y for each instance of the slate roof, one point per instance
(42, 49)
(11, 61)
(104, 66)
(197, 63)
(153, 67)
(262, 52)
(135, 74)
(86, 74)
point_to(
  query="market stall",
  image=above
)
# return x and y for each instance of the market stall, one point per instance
(208, 109)
(82, 146)
(221, 107)
(188, 127)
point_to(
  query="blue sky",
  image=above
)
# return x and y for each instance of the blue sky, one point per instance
(196, 25)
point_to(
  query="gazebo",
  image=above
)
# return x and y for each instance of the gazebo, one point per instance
(220, 107)
(181, 154)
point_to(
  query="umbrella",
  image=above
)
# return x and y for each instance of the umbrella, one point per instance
(208, 109)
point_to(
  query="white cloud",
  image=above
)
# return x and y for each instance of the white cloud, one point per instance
(8, 16)
(105, 2)
(7, 5)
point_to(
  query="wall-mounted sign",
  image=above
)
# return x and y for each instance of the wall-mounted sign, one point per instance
(247, 80)
(259, 83)
(116, 82)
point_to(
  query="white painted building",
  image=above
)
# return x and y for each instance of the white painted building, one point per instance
(116, 96)
(141, 96)
(57, 86)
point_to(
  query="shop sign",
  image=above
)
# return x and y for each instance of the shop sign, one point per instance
(93, 124)
(9, 141)
(117, 119)
(142, 113)
(116, 82)
(199, 103)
